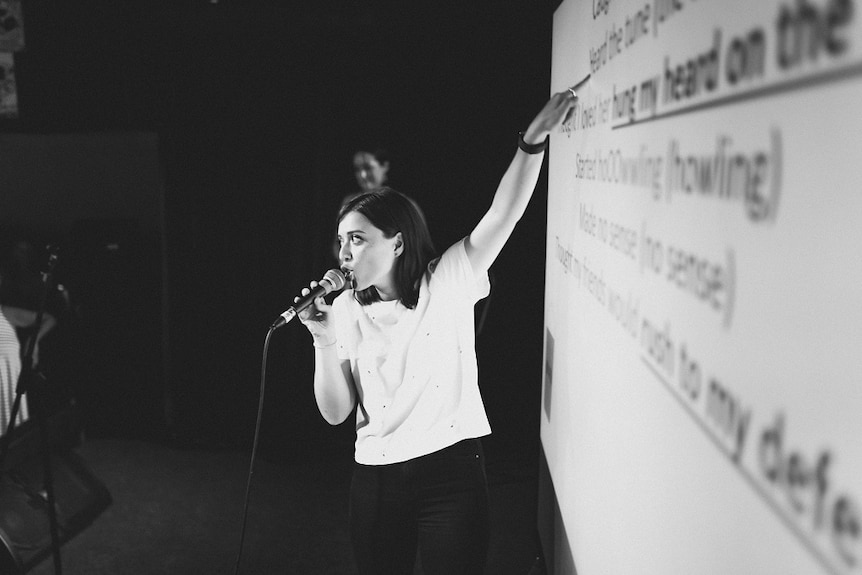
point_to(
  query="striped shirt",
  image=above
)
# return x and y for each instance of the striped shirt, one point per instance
(10, 369)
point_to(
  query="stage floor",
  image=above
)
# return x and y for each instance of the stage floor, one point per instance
(179, 511)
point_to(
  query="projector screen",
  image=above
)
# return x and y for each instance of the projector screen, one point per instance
(702, 396)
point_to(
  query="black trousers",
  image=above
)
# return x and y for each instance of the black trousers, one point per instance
(437, 503)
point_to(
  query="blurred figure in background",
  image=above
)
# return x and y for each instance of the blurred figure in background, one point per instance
(371, 169)
(20, 294)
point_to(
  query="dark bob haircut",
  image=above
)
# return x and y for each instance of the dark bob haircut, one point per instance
(392, 212)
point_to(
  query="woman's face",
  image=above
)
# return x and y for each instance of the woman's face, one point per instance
(370, 173)
(367, 256)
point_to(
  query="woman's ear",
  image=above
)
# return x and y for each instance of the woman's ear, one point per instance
(399, 244)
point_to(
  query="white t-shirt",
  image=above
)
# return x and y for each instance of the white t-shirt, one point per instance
(415, 369)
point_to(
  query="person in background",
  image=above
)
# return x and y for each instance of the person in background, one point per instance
(371, 168)
(15, 320)
(397, 348)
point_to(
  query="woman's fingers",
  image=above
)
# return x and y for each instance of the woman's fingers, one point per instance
(305, 291)
(318, 311)
(570, 99)
(556, 111)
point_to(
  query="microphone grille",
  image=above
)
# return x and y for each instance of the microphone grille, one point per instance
(334, 278)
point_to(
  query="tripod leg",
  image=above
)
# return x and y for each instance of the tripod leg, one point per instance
(6, 439)
(37, 406)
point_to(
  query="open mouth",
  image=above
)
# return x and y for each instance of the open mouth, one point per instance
(348, 275)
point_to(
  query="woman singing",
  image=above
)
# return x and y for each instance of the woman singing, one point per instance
(398, 346)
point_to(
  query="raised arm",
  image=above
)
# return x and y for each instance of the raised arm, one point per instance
(487, 239)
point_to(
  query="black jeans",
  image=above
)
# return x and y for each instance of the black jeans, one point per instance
(437, 502)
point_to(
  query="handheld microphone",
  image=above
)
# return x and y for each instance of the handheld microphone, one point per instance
(333, 280)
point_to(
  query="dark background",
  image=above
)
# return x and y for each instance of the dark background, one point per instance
(256, 108)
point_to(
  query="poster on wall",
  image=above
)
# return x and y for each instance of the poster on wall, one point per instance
(702, 365)
(8, 88)
(11, 26)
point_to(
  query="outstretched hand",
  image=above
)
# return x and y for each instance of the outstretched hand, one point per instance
(554, 113)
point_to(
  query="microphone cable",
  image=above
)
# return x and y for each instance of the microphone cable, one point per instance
(333, 280)
(254, 447)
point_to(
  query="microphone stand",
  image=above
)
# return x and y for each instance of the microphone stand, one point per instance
(25, 382)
